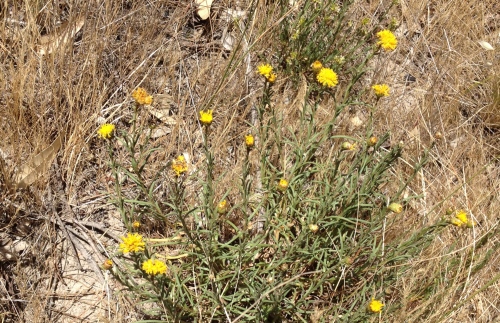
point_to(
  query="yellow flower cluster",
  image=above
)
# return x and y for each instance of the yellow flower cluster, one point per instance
(206, 117)
(461, 219)
(141, 96)
(266, 70)
(387, 40)
(327, 77)
(106, 131)
(179, 165)
(154, 267)
(375, 306)
(381, 90)
(132, 243)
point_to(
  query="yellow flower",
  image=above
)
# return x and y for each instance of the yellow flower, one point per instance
(375, 306)
(316, 66)
(132, 243)
(106, 131)
(222, 207)
(283, 185)
(206, 117)
(136, 224)
(179, 165)
(381, 90)
(272, 78)
(265, 70)
(327, 77)
(387, 40)
(395, 207)
(154, 267)
(249, 141)
(141, 96)
(461, 219)
(108, 264)
(462, 216)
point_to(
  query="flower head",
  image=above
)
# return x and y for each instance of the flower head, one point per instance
(265, 70)
(132, 243)
(381, 90)
(141, 96)
(206, 117)
(136, 224)
(387, 40)
(107, 264)
(372, 141)
(272, 78)
(348, 146)
(375, 306)
(154, 267)
(179, 165)
(327, 77)
(283, 185)
(316, 66)
(106, 131)
(222, 207)
(461, 219)
(313, 227)
(249, 141)
(395, 207)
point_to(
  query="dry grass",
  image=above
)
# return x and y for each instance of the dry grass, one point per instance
(160, 45)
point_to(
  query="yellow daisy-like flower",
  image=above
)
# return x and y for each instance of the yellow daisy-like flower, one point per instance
(283, 185)
(106, 131)
(206, 117)
(316, 66)
(179, 165)
(375, 306)
(381, 90)
(141, 96)
(132, 243)
(461, 219)
(265, 70)
(154, 267)
(327, 77)
(395, 207)
(249, 141)
(136, 224)
(387, 40)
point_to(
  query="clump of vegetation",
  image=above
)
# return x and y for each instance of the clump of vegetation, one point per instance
(305, 231)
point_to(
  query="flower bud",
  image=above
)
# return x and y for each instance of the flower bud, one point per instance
(222, 207)
(313, 228)
(282, 185)
(395, 207)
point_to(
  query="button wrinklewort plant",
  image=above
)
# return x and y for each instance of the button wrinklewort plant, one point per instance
(310, 235)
